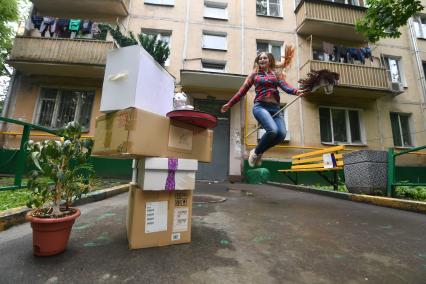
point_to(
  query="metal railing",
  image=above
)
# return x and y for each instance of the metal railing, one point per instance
(22, 153)
(391, 183)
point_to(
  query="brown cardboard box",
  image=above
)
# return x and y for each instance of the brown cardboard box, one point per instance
(158, 218)
(133, 133)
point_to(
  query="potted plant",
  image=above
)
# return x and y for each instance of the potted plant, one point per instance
(61, 174)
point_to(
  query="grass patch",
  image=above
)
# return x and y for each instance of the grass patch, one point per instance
(341, 187)
(16, 198)
(411, 192)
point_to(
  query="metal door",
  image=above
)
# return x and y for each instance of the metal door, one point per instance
(218, 168)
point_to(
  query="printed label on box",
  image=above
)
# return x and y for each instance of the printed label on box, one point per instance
(156, 217)
(180, 138)
(181, 199)
(329, 161)
(180, 219)
(175, 236)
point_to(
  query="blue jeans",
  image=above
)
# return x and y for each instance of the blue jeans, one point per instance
(274, 126)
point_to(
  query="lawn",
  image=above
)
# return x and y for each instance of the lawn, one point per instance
(17, 198)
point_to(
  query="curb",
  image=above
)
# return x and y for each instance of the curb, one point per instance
(407, 205)
(15, 216)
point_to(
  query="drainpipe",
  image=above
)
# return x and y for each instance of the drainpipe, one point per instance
(413, 38)
(185, 37)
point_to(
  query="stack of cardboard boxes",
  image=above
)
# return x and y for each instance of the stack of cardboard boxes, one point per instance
(137, 94)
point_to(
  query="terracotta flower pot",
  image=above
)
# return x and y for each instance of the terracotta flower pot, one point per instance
(50, 235)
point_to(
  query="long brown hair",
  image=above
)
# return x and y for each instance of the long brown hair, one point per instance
(277, 67)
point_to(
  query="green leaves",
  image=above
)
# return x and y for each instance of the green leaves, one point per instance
(158, 49)
(62, 171)
(384, 18)
(8, 14)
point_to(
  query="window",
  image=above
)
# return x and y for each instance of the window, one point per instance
(262, 131)
(268, 8)
(338, 125)
(348, 2)
(393, 67)
(213, 66)
(215, 10)
(401, 129)
(273, 47)
(160, 2)
(214, 40)
(420, 26)
(57, 107)
(160, 35)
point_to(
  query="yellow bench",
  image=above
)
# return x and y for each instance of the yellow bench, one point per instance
(314, 162)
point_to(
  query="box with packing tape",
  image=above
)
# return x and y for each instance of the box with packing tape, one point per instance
(166, 174)
(158, 218)
(133, 133)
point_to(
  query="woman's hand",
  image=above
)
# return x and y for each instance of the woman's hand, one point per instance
(301, 92)
(225, 108)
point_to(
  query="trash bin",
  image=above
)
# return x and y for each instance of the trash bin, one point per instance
(366, 172)
(258, 176)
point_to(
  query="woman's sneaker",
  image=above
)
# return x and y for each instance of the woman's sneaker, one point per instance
(252, 159)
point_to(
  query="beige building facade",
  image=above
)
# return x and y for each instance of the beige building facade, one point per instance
(379, 102)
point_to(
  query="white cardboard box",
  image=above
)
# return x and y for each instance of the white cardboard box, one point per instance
(134, 79)
(157, 174)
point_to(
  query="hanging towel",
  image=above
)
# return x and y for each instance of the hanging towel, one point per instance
(74, 25)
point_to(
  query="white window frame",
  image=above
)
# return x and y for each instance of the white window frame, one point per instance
(348, 129)
(401, 74)
(161, 35)
(216, 10)
(59, 94)
(268, 8)
(408, 115)
(160, 2)
(419, 27)
(211, 36)
(213, 62)
(270, 44)
(347, 2)
(287, 138)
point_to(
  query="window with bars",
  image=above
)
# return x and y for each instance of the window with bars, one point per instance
(215, 40)
(340, 125)
(268, 8)
(272, 47)
(215, 10)
(401, 129)
(57, 107)
(164, 36)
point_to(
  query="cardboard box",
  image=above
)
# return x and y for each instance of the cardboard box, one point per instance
(133, 133)
(134, 79)
(158, 218)
(166, 174)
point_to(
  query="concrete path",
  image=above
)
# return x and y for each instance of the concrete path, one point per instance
(260, 234)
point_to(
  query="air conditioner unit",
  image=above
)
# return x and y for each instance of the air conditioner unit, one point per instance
(262, 131)
(397, 87)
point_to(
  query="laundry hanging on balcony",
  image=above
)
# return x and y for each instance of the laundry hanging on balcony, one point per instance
(335, 52)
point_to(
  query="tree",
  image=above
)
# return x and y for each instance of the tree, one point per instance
(158, 49)
(383, 18)
(8, 14)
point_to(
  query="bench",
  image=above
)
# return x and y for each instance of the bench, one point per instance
(314, 162)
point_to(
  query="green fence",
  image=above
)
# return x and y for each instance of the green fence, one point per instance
(415, 178)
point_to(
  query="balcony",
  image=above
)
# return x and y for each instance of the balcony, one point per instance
(356, 81)
(328, 19)
(83, 9)
(60, 57)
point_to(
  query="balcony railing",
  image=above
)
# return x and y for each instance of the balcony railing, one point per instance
(83, 9)
(57, 55)
(364, 81)
(323, 18)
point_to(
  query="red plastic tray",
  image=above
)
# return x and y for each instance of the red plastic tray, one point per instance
(195, 117)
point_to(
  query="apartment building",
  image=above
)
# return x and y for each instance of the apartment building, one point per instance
(379, 102)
